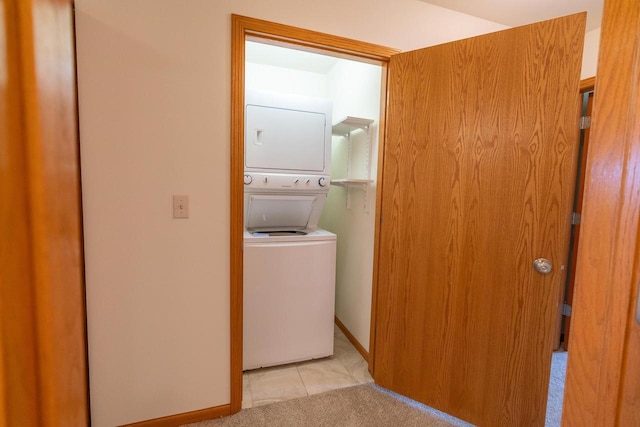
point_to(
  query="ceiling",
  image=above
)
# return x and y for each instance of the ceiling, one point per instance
(279, 56)
(520, 12)
(511, 13)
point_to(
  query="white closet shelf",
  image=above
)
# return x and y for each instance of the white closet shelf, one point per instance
(349, 124)
(344, 128)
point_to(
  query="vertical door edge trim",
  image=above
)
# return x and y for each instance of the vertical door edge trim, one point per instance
(241, 28)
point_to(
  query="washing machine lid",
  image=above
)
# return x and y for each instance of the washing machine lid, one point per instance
(257, 237)
(279, 212)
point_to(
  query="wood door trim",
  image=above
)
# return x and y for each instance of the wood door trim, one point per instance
(42, 315)
(578, 203)
(18, 353)
(587, 84)
(241, 28)
(237, 209)
(566, 292)
(184, 418)
(603, 330)
(312, 40)
(353, 340)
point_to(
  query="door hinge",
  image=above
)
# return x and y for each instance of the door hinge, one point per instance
(585, 122)
(576, 218)
(566, 310)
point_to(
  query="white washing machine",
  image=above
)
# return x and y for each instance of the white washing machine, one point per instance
(289, 293)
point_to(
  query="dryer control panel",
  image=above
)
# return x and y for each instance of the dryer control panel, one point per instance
(293, 182)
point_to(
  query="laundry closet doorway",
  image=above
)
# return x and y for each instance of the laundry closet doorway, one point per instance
(353, 88)
(289, 61)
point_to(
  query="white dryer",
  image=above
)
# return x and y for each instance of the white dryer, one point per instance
(288, 134)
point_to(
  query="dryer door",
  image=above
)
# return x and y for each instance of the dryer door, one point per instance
(279, 139)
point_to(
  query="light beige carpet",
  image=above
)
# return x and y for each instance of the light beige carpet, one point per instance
(364, 405)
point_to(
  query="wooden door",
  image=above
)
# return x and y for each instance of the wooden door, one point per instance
(479, 172)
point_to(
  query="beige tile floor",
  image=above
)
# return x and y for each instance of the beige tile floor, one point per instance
(269, 385)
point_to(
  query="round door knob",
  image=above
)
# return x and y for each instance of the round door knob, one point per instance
(322, 182)
(247, 179)
(543, 265)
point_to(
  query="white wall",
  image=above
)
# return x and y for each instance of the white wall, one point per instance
(355, 89)
(154, 93)
(590, 55)
(283, 80)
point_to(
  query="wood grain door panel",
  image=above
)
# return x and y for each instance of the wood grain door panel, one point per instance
(479, 172)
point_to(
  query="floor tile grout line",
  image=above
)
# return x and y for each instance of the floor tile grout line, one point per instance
(346, 368)
(249, 390)
(306, 390)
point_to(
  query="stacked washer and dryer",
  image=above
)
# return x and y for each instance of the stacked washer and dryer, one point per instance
(289, 263)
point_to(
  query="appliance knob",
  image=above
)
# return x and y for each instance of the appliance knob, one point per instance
(248, 179)
(322, 182)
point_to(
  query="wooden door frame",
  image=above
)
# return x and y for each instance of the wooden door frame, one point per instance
(602, 384)
(242, 28)
(43, 369)
(566, 294)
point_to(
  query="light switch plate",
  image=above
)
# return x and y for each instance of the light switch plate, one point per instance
(180, 206)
